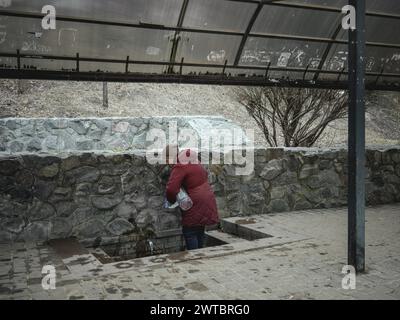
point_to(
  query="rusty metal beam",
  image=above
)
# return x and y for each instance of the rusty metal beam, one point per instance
(176, 39)
(328, 49)
(124, 62)
(217, 79)
(247, 32)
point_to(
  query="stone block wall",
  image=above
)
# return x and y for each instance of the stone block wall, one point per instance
(102, 197)
(95, 197)
(293, 179)
(55, 135)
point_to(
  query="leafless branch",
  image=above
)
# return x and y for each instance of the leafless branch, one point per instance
(296, 115)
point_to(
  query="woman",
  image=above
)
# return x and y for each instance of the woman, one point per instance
(189, 174)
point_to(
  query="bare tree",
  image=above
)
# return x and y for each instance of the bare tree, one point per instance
(297, 115)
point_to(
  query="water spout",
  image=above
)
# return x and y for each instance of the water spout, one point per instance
(151, 246)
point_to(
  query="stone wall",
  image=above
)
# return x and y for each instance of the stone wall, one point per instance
(101, 197)
(298, 179)
(86, 195)
(55, 135)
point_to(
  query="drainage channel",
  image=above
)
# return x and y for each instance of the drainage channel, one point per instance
(172, 241)
(235, 236)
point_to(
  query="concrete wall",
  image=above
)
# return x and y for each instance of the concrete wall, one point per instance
(100, 197)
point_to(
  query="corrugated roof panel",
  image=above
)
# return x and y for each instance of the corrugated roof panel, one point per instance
(291, 21)
(89, 40)
(281, 53)
(134, 11)
(248, 37)
(223, 15)
(206, 48)
(387, 6)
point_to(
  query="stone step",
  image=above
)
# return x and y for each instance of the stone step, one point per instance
(67, 248)
(244, 228)
(219, 237)
(101, 255)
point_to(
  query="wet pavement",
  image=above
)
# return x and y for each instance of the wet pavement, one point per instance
(302, 260)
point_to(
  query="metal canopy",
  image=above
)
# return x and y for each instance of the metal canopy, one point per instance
(246, 42)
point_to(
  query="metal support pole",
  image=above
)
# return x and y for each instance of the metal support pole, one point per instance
(224, 68)
(105, 94)
(77, 62)
(181, 65)
(356, 155)
(18, 60)
(127, 65)
(267, 70)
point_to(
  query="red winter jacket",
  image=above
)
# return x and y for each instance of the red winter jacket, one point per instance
(193, 178)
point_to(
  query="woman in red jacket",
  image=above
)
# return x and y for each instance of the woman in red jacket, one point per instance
(189, 174)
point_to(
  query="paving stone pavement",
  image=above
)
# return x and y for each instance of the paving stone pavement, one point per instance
(305, 269)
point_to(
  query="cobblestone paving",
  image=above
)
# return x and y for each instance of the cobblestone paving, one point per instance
(305, 269)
